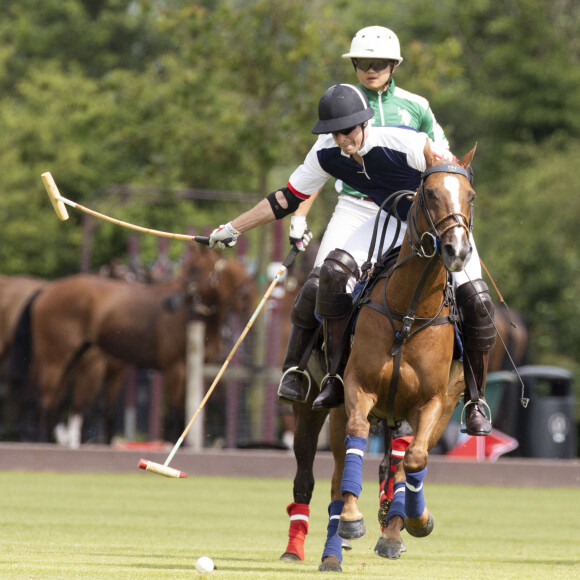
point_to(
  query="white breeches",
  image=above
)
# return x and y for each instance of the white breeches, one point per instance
(351, 228)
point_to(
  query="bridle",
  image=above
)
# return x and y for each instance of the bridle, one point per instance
(417, 238)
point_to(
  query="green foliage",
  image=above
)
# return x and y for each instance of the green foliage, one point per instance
(221, 95)
(531, 213)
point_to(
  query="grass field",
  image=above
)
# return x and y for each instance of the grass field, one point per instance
(145, 526)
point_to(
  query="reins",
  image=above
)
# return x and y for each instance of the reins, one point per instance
(417, 239)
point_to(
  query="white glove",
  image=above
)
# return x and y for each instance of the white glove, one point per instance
(224, 237)
(299, 233)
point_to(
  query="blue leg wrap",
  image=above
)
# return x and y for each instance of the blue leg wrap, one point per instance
(398, 504)
(352, 475)
(333, 545)
(414, 498)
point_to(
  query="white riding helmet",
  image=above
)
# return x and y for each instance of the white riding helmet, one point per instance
(375, 42)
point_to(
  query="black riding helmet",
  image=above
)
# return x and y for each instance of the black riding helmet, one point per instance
(340, 107)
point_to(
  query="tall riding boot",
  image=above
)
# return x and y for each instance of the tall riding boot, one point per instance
(478, 332)
(295, 382)
(332, 387)
(334, 306)
(477, 416)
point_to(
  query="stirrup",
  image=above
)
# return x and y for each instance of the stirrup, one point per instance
(300, 371)
(462, 424)
(330, 376)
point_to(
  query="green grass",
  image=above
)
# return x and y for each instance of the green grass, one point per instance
(146, 526)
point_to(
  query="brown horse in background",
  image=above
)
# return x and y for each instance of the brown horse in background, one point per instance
(400, 366)
(16, 292)
(139, 324)
(513, 331)
(18, 417)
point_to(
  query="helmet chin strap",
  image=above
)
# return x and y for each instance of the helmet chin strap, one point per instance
(363, 126)
(388, 83)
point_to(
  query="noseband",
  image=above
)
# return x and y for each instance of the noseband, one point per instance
(417, 238)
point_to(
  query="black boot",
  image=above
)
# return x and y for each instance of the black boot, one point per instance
(476, 411)
(295, 383)
(478, 332)
(334, 306)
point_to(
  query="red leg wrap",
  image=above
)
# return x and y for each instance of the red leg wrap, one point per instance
(397, 453)
(299, 514)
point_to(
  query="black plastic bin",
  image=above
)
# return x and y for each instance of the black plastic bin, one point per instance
(547, 427)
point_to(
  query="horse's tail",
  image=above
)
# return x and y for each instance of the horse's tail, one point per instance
(21, 351)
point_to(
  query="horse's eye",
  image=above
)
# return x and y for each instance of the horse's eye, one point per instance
(431, 193)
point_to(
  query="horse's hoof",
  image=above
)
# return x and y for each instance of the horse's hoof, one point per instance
(420, 532)
(346, 544)
(389, 548)
(330, 564)
(351, 530)
(290, 557)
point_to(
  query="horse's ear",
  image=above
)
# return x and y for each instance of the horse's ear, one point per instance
(465, 161)
(429, 156)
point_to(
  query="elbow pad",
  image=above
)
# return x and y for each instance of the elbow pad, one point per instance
(279, 211)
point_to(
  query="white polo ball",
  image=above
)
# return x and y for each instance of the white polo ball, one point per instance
(204, 565)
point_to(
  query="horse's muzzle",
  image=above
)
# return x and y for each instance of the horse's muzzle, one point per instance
(455, 254)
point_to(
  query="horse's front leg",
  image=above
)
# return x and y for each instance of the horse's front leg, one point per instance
(358, 406)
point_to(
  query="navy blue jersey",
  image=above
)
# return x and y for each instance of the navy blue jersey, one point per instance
(393, 160)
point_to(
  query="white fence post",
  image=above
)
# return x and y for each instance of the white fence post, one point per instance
(194, 386)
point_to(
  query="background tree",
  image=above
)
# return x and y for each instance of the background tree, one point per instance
(221, 95)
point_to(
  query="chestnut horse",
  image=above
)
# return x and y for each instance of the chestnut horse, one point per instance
(308, 425)
(139, 324)
(16, 292)
(401, 362)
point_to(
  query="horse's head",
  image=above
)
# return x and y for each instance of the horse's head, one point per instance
(216, 285)
(441, 217)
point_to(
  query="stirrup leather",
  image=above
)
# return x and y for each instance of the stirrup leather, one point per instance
(300, 371)
(462, 423)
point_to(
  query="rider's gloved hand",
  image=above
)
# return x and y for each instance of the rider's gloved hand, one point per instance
(299, 233)
(225, 236)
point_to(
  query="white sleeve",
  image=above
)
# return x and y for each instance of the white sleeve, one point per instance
(309, 177)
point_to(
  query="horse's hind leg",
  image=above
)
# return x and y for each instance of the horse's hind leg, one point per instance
(308, 426)
(332, 553)
(390, 544)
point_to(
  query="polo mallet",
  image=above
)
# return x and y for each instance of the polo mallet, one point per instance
(170, 471)
(58, 203)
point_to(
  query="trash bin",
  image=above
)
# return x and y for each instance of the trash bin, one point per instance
(547, 426)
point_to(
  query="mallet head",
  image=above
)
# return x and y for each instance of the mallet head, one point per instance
(54, 195)
(161, 469)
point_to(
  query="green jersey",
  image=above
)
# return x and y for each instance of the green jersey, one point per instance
(395, 106)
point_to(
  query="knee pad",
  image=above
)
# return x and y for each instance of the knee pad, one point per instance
(302, 314)
(332, 300)
(476, 313)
